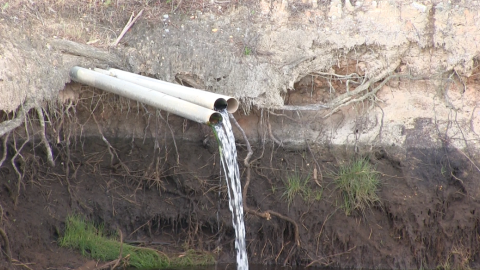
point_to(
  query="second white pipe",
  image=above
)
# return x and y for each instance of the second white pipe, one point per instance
(148, 96)
(203, 98)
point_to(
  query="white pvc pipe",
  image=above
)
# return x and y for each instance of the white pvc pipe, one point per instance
(203, 98)
(145, 95)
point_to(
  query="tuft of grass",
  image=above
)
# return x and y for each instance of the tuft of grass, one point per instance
(92, 242)
(297, 184)
(247, 51)
(358, 183)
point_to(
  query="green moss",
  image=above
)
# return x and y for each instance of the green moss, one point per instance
(93, 242)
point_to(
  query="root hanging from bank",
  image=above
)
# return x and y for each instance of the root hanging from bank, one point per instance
(19, 172)
(41, 118)
(4, 236)
(268, 213)
(5, 149)
(111, 149)
(10, 125)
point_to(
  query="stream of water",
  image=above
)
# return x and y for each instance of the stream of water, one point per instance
(228, 156)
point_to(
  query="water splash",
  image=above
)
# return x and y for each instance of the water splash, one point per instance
(228, 156)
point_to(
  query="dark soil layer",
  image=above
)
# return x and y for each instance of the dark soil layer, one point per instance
(168, 197)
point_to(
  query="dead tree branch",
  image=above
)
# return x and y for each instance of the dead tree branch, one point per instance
(82, 50)
(127, 26)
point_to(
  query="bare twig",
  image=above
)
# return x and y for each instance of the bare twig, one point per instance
(16, 262)
(469, 159)
(175, 9)
(127, 26)
(121, 250)
(327, 257)
(318, 166)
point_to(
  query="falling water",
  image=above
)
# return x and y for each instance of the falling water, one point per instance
(228, 156)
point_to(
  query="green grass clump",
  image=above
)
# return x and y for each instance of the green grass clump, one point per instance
(297, 184)
(92, 242)
(358, 183)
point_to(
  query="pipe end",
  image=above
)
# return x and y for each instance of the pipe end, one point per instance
(215, 118)
(220, 104)
(232, 105)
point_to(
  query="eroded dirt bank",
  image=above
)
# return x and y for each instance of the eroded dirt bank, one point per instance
(428, 215)
(320, 83)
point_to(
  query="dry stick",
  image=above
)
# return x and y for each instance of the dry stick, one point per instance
(269, 213)
(318, 166)
(16, 262)
(127, 26)
(4, 156)
(41, 118)
(83, 50)
(175, 9)
(469, 159)
(121, 250)
(323, 225)
(334, 255)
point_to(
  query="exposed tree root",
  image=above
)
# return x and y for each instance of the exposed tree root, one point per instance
(265, 214)
(5, 150)
(8, 126)
(14, 165)
(348, 97)
(41, 118)
(8, 253)
(111, 150)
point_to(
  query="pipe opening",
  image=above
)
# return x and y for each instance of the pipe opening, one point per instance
(232, 105)
(215, 118)
(220, 104)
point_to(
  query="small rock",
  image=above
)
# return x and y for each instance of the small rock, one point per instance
(422, 8)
